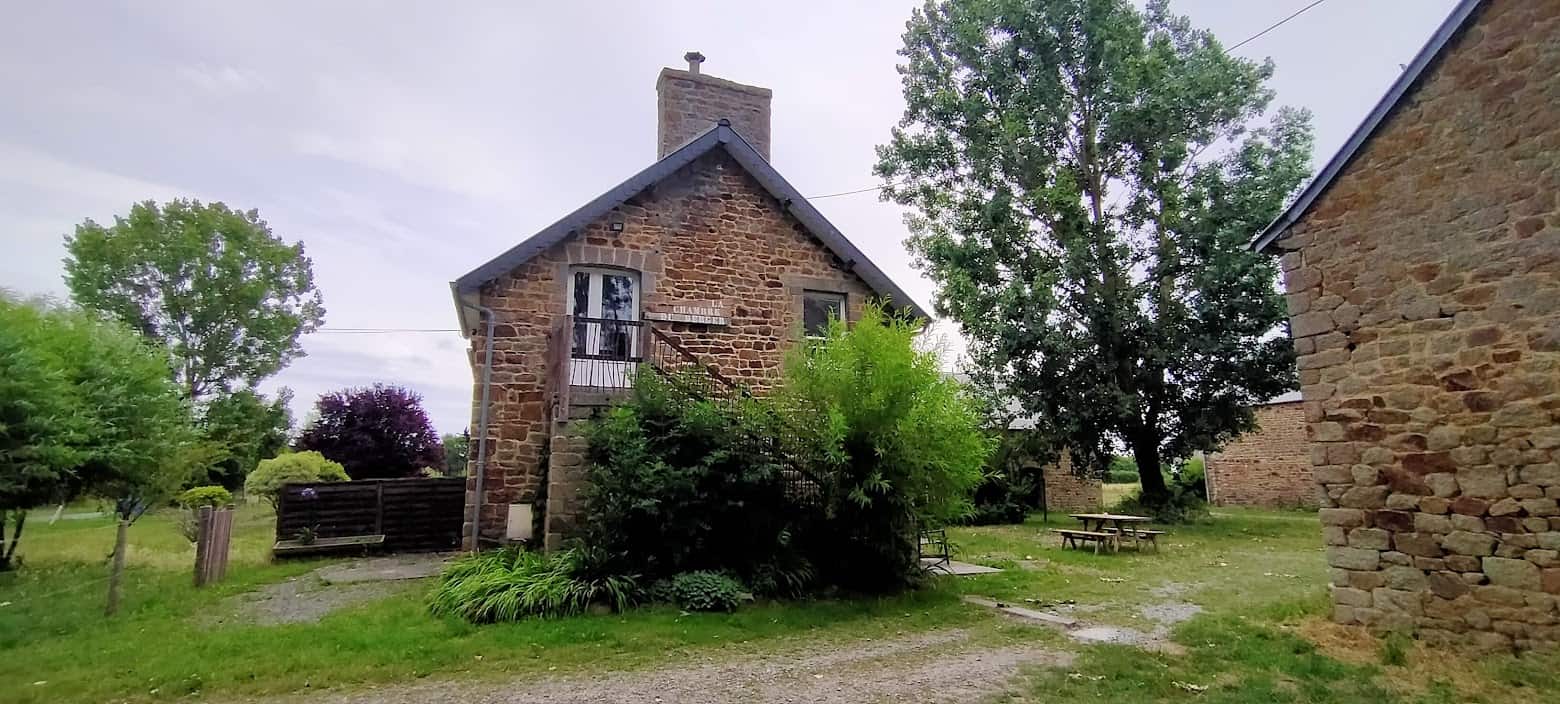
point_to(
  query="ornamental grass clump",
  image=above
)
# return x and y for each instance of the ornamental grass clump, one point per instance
(510, 585)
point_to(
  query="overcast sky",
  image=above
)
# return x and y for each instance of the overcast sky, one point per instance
(406, 143)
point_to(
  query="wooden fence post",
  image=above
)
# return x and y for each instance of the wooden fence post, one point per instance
(215, 529)
(202, 543)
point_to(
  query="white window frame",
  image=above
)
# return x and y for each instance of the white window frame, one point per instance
(593, 294)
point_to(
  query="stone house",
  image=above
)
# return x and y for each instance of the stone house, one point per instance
(1270, 466)
(708, 258)
(1422, 269)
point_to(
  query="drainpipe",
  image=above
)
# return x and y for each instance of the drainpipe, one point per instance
(482, 425)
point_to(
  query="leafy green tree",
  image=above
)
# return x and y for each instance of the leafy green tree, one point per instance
(249, 428)
(1083, 178)
(86, 408)
(899, 443)
(456, 448)
(226, 297)
(291, 467)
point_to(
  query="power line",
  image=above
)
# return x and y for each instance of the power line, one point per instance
(1233, 47)
(851, 193)
(1274, 26)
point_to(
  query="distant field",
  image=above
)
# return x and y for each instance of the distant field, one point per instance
(1114, 493)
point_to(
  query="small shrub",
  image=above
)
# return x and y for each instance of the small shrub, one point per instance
(1188, 501)
(1191, 478)
(293, 467)
(1182, 507)
(509, 585)
(661, 592)
(1395, 647)
(1004, 497)
(213, 496)
(679, 484)
(706, 591)
(192, 500)
(791, 579)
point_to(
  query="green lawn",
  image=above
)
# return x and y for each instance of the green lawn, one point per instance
(1258, 576)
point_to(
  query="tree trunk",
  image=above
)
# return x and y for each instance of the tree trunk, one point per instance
(118, 570)
(1145, 452)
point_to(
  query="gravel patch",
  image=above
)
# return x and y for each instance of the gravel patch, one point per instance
(1117, 635)
(304, 599)
(308, 598)
(386, 569)
(1169, 613)
(934, 667)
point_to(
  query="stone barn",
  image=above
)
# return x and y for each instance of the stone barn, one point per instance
(1422, 269)
(1269, 466)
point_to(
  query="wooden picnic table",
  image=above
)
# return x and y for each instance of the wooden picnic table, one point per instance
(1118, 520)
(1120, 526)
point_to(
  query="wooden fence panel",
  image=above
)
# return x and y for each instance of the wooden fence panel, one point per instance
(414, 515)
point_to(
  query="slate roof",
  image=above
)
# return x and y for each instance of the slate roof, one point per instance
(1460, 16)
(719, 137)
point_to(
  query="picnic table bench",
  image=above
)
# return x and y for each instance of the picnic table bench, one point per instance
(319, 545)
(1076, 538)
(1142, 535)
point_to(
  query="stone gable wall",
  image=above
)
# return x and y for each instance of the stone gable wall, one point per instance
(1424, 293)
(1270, 466)
(1065, 491)
(708, 237)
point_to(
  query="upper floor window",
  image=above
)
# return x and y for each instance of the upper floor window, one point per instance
(817, 308)
(605, 305)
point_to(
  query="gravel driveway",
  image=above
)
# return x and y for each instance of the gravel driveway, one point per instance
(930, 667)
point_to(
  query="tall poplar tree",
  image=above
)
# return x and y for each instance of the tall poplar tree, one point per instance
(1083, 178)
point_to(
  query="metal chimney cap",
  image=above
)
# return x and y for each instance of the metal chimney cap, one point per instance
(693, 58)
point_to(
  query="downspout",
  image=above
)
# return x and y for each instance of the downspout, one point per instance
(482, 424)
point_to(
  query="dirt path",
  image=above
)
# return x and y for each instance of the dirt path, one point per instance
(930, 667)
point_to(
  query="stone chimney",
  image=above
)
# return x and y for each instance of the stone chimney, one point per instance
(689, 103)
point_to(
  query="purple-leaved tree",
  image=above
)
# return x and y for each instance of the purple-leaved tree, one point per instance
(377, 432)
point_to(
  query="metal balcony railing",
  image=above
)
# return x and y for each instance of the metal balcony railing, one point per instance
(599, 353)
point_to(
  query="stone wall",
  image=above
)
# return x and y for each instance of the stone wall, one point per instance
(689, 104)
(708, 237)
(1424, 292)
(1270, 466)
(1065, 491)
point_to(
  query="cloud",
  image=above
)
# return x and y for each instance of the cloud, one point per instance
(221, 80)
(38, 170)
(371, 121)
